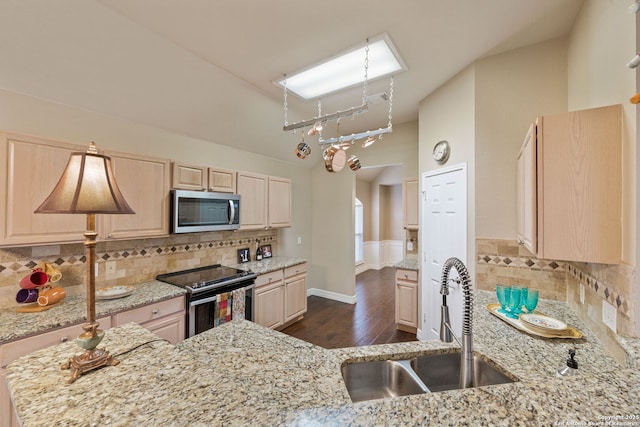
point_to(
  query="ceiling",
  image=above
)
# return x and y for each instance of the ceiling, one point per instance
(204, 68)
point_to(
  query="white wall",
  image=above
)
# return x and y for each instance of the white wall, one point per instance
(512, 89)
(449, 113)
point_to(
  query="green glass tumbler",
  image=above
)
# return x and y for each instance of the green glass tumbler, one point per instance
(514, 302)
(502, 293)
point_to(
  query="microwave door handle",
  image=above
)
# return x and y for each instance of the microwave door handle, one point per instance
(231, 212)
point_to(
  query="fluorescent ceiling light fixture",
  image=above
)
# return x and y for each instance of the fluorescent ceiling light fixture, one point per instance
(346, 70)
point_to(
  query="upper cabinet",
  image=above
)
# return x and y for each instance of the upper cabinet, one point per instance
(31, 169)
(569, 186)
(265, 201)
(144, 182)
(200, 178)
(410, 201)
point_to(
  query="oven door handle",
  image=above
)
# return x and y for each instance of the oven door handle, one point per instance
(215, 297)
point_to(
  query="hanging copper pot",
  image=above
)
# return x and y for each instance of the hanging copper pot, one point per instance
(303, 150)
(354, 163)
(334, 158)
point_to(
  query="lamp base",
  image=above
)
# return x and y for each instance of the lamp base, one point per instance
(88, 361)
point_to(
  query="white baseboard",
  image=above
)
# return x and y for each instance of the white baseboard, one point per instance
(331, 295)
(380, 254)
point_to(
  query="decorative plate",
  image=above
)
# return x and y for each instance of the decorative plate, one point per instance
(113, 292)
(544, 322)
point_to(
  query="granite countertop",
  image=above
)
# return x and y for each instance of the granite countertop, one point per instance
(73, 310)
(243, 374)
(408, 264)
(268, 265)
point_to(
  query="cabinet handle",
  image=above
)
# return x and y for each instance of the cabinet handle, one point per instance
(154, 311)
(64, 339)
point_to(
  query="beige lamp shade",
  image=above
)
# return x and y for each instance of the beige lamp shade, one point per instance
(87, 186)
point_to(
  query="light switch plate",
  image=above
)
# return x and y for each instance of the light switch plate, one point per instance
(111, 268)
(609, 315)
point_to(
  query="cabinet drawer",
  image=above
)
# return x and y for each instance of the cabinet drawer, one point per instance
(149, 312)
(411, 275)
(15, 349)
(295, 270)
(265, 279)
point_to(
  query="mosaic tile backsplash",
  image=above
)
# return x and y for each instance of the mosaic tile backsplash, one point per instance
(135, 261)
(506, 262)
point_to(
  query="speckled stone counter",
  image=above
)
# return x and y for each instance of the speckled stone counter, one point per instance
(73, 310)
(269, 264)
(408, 264)
(244, 374)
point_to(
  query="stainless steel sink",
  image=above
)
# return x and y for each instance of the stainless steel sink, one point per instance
(423, 374)
(440, 372)
(381, 379)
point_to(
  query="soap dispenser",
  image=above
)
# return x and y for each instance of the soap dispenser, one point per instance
(571, 368)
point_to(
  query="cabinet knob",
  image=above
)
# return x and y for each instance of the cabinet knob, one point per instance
(64, 339)
(520, 241)
(406, 276)
(109, 236)
(154, 311)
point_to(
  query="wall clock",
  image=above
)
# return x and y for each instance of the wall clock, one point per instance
(441, 152)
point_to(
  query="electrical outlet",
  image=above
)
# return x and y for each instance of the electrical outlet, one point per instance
(609, 315)
(299, 240)
(111, 268)
(581, 293)
(96, 267)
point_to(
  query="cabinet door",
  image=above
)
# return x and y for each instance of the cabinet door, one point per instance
(8, 417)
(295, 297)
(171, 328)
(150, 312)
(410, 201)
(579, 186)
(144, 182)
(270, 305)
(252, 189)
(407, 304)
(31, 167)
(279, 202)
(526, 193)
(222, 180)
(188, 177)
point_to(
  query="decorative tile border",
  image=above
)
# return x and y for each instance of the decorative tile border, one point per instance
(520, 262)
(603, 290)
(28, 264)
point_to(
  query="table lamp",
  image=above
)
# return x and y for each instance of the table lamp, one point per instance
(88, 186)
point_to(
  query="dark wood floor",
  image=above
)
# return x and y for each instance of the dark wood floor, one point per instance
(333, 324)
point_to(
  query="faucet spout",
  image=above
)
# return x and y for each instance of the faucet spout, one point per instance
(466, 341)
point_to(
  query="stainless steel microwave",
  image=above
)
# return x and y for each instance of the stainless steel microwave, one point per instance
(198, 211)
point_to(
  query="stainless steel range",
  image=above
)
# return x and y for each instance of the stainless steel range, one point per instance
(210, 290)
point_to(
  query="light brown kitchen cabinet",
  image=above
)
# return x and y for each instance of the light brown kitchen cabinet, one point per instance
(295, 292)
(252, 189)
(410, 202)
(407, 300)
(279, 202)
(265, 201)
(222, 180)
(144, 182)
(577, 208)
(165, 318)
(13, 350)
(269, 299)
(31, 167)
(526, 193)
(200, 178)
(188, 177)
(281, 296)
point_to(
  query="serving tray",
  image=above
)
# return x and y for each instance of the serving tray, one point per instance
(569, 333)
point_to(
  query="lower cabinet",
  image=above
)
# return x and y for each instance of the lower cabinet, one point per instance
(281, 296)
(165, 318)
(407, 300)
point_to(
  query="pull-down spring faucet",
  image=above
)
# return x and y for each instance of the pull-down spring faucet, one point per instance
(446, 332)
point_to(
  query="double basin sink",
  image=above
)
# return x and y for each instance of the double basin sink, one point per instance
(422, 374)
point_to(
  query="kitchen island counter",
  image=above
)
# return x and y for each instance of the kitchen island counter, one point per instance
(244, 374)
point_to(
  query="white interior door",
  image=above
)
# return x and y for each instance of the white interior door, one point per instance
(444, 235)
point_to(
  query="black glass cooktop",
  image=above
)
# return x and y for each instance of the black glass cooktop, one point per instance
(202, 277)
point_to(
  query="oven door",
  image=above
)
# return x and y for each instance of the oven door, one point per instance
(210, 309)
